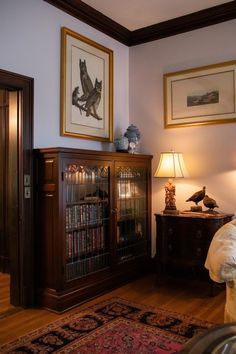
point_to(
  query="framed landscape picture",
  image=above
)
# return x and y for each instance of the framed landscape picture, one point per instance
(86, 88)
(205, 95)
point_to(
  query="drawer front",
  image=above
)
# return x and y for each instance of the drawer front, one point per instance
(171, 244)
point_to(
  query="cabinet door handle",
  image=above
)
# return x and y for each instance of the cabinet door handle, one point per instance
(198, 234)
(49, 195)
(170, 248)
(198, 252)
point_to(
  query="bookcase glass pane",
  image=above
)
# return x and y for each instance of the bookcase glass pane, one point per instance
(86, 219)
(131, 185)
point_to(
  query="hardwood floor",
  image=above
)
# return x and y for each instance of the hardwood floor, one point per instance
(173, 294)
(4, 293)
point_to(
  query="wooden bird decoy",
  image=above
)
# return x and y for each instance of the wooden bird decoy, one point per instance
(198, 196)
(209, 202)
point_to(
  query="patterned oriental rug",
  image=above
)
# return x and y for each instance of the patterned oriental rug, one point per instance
(112, 326)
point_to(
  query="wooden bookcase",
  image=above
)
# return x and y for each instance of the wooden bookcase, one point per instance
(93, 216)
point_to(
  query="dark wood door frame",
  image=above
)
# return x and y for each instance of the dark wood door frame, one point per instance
(22, 249)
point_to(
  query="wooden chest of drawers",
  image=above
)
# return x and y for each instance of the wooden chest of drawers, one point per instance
(182, 241)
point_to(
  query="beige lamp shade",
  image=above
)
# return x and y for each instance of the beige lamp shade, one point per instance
(171, 165)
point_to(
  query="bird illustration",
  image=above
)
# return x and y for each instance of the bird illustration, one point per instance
(209, 202)
(198, 196)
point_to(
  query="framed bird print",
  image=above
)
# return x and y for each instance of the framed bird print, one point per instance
(86, 88)
(199, 96)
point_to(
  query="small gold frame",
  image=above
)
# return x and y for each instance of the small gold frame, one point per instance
(199, 96)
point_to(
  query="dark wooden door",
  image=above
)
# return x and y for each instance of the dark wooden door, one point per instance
(4, 243)
(16, 204)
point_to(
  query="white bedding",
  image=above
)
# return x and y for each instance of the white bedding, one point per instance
(221, 263)
(221, 257)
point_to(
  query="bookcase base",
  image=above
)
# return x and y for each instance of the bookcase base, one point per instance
(61, 301)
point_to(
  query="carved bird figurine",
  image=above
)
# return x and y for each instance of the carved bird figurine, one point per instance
(198, 196)
(209, 202)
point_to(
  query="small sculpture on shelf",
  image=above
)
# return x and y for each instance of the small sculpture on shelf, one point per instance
(133, 135)
(196, 198)
(210, 204)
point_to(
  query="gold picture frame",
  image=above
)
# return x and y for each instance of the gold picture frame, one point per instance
(86, 88)
(199, 96)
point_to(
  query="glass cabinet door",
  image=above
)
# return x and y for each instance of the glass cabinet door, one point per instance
(131, 196)
(86, 218)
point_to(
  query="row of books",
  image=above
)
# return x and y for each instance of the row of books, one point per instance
(77, 192)
(80, 177)
(126, 251)
(84, 214)
(86, 266)
(130, 230)
(81, 242)
(131, 207)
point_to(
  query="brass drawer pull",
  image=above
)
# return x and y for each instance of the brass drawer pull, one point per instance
(198, 234)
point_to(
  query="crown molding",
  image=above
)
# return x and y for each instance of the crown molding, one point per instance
(94, 18)
(196, 20)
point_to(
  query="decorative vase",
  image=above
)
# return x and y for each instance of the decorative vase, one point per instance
(121, 144)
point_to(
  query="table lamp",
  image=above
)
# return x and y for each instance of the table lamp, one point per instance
(171, 165)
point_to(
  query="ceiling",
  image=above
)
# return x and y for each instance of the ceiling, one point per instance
(136, 14)
(134, 22)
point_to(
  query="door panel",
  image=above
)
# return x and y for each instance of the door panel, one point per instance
(87, 217)
(4, 244)
(15, 115)
(132, 211)
(21, 245)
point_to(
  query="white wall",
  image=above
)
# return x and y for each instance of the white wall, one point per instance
(209, 151)
(30, 45)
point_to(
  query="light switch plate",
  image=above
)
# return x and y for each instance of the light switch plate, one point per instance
(26, 180)
(27, 192)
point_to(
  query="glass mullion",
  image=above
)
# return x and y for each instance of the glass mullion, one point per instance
(132, 211)
(86, 219)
